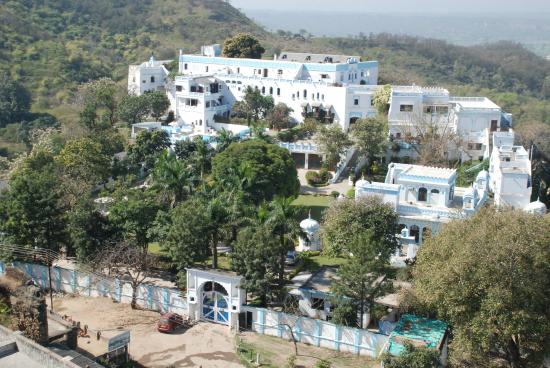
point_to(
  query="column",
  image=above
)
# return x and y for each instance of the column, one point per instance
(306, 161)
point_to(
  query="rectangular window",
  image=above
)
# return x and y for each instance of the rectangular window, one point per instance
(372, 101)
(206, 69)
(280, 72)
(356, 102)
(443, 110)
(318, 303)
(324, 76)
(238, 70)
(179, 88)
(406, 108)
(185, 66)
(479, 146)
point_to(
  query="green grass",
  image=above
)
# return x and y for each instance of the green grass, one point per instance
(315, 204)
(154, 248)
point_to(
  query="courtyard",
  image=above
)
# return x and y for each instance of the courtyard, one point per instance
(204, 344)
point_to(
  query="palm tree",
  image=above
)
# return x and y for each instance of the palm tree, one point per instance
(218, 214)
(172, 177)
(283, 218)
(224, 139)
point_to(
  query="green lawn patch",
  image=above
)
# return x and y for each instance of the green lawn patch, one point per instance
(317, 205)
(154, 248)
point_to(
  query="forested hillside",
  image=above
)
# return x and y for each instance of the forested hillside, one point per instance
(53, 45)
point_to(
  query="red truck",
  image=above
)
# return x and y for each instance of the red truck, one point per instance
(169, 322)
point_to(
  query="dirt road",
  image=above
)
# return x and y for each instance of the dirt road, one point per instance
(205, 344)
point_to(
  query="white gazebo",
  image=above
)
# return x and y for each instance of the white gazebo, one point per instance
(214, 296)
(310, 240)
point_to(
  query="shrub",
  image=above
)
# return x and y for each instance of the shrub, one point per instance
(291, 361)
(334, 194)
(323, 364)
(351, 193)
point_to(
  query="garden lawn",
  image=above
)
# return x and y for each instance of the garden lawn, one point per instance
(315, 204)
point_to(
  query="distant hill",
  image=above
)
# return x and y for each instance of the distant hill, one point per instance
(52, 45)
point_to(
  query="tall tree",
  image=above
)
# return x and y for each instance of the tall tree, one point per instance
(381, 99)
(283, 219)
(133, 213)
(370, 137)
(126, 262)
(255, 257)
(362, 278)
(15, 100)
(332, 142)
(133, 109)
(279, 117)
(158, 103)
(243, 45)
(172, 178)
(489, 277)
(148, 147)
(84, 159)
(347, 217)
(254, 105)
(187, 238)
(100, 94)
(90, 231)
(267, 169)
(33, 211)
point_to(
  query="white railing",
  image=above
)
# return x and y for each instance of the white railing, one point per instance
(299, 147)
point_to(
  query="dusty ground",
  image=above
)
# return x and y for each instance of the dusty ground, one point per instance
(276, 351)
(203, 345)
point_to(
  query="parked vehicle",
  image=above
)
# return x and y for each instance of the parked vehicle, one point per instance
(170, 322)
(290, 258)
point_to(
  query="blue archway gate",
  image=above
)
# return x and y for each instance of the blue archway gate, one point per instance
(215, 303)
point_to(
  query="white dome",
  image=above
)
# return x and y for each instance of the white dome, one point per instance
(309, 225)
(483, 174)
(536, 207)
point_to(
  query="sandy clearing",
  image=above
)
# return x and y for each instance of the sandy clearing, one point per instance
(204, 344)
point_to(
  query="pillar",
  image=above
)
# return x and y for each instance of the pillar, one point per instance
(306, 161)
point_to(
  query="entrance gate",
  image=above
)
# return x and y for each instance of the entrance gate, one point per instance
(215, 303)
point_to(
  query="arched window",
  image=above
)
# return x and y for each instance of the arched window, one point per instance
(185, 66)
(152, 79)
(415, 231)
(305, 94)
(278, 91)
(422, 195)
(270, 90)
(263, 90)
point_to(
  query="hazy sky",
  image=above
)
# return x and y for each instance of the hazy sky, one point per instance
(417, 6)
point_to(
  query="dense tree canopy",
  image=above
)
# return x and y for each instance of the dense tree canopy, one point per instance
(332, 142)
(243, 45)
(346, 218)
(32, 210)
(268, 169)
(15, 100)
(489, 277)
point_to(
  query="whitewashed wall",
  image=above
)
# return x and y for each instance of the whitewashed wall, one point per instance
(81, 283)
(316, 332)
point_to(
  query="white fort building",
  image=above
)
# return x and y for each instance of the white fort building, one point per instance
(340, 89)
(331, 88)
